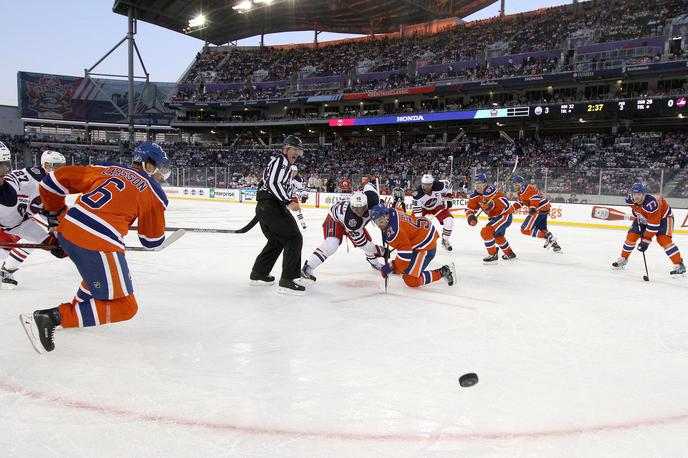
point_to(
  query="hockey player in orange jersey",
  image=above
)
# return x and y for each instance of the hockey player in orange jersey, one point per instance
(653, 217)
(496, 207)
(91, 232)
(415, 241)
(535, 224)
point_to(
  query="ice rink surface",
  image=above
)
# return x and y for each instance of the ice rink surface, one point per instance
(574, 359)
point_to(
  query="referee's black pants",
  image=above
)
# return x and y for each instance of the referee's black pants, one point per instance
(280, 228)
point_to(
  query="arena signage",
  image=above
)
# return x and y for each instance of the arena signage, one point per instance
(432, 117)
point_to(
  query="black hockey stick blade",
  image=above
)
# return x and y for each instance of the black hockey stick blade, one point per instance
(172, 238)
(251, 224)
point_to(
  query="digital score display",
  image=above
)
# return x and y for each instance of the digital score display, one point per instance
(647, 106)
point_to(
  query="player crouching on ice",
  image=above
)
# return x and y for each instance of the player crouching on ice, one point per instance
(91, 232)
(347, 218)
(653, 216)
(415, 240)
(20, 203)
(496, 206)
(535, 224)
(433, 197)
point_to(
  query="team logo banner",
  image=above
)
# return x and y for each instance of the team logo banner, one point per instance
(92, 99)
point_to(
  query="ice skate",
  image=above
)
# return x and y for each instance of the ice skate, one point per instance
(261, 280)
(679, 270)
(449, 273)
(291, 287)
(8, 281)
(491, 260)
(509, 257)
(307, 273)
(619, 263)
(446, 244)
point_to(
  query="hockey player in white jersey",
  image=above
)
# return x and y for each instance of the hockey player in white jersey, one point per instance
(299, 193)
(347, 218)
(20, 203)
(431, 199)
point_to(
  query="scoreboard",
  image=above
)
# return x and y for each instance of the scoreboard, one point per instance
(660, 107)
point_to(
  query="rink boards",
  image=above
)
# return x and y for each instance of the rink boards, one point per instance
(573, 215)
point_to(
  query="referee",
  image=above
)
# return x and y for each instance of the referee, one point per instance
(278, 226)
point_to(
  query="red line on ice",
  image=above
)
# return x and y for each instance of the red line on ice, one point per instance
(402, 437)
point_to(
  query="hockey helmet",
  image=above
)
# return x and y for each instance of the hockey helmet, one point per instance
(54, 159)
(358, 203)
(427, 179)
(152, 152)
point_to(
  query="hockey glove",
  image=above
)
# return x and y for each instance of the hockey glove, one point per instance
(53, 217)
(54, 246)
(387, 269)
(472, 220)
(644, 243)
(532, 211)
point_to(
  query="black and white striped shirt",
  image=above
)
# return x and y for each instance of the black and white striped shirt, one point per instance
(277, 179)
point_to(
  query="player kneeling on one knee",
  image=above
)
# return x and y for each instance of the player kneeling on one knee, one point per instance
(91, 232)
(415, 241)
(653, 217)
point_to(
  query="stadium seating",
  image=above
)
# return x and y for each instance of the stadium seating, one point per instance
(605, 34)
(591, 164)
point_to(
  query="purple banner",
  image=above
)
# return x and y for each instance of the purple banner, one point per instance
(324, 80)
(517, 59)
(599, 47)
(452, 67)
(378, 75)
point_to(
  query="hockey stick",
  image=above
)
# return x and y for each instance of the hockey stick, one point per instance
(505, 180)
(176, 235)
(386, 253)
(610, 214)
(646, 277)
(242, 230)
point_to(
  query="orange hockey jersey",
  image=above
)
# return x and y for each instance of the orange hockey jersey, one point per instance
(113, 197)
(529, 196)
(498, 202)
(652, 211)
(407, 235)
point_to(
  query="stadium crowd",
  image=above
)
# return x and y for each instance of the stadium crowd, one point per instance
(589, 164)
(541, 30)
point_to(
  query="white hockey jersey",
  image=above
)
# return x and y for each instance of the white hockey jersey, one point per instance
(19, 196)
(433, 199)
(298, 187)
(354, 224)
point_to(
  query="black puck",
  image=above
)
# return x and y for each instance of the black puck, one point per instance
(469, 379)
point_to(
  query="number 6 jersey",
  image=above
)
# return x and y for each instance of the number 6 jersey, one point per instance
(19, 197)
(113, 197)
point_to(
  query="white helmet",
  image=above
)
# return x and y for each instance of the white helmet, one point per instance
(427, 179)
(358, 203)
(294, 168)
(52, 158)
(5, 155)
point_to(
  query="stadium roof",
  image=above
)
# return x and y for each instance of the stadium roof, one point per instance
(229, 20)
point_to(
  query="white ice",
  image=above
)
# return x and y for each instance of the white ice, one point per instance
(573, 358)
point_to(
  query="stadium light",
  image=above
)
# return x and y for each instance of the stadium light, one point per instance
(264, 2)
(198, 21)
(243, 7)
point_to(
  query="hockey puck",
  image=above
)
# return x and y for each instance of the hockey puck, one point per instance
(469, 379)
